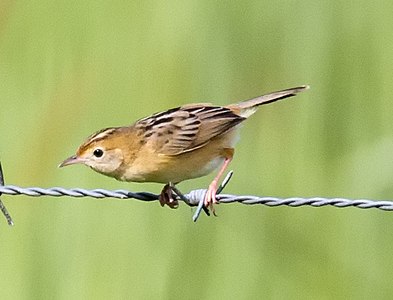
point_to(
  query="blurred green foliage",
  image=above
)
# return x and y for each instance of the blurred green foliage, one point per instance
(68, 68)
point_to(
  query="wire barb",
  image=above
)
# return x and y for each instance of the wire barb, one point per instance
(2, 206)
(202, 196)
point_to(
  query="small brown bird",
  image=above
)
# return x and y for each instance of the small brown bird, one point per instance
(172, 146)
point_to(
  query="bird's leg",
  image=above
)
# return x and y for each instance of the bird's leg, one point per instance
(210, 196)
(166, 197)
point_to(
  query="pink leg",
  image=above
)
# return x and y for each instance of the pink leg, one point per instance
(210, 196)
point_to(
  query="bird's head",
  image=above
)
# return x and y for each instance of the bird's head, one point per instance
(100, 151)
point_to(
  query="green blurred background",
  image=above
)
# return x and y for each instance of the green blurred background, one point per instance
(69, 68)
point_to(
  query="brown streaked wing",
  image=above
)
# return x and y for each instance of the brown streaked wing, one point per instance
(215, 120)
(186, 128)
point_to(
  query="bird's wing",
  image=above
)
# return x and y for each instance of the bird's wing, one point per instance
(184, 129)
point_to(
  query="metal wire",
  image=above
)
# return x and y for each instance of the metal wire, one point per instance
(2, 206)
(195, 198)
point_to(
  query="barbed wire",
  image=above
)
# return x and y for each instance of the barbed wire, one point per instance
(193, 198)
(2, 206)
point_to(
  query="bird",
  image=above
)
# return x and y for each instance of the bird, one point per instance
(172, 146)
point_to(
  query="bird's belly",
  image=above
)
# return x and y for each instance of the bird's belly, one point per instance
(171, 170)
(199, 170)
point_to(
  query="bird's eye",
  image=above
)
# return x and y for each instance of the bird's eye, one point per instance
(98, 153)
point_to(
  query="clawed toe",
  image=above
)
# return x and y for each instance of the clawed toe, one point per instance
(167, 197)
(210, 198)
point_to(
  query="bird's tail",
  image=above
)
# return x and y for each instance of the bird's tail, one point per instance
(248, 107)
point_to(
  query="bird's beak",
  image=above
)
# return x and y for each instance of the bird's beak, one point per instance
(72, 160)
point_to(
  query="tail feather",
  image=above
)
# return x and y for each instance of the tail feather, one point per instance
(248, 107)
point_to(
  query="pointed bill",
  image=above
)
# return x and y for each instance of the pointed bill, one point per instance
(72, 160)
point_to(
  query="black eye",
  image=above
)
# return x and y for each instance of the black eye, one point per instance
(98, 153)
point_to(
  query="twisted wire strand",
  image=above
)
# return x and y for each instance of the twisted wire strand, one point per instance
(76, 192)
(195, 196)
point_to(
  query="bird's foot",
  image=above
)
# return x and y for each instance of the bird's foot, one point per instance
(167, 197)
(210, 197)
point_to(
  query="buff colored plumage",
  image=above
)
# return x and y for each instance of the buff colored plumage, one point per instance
(172, 146)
